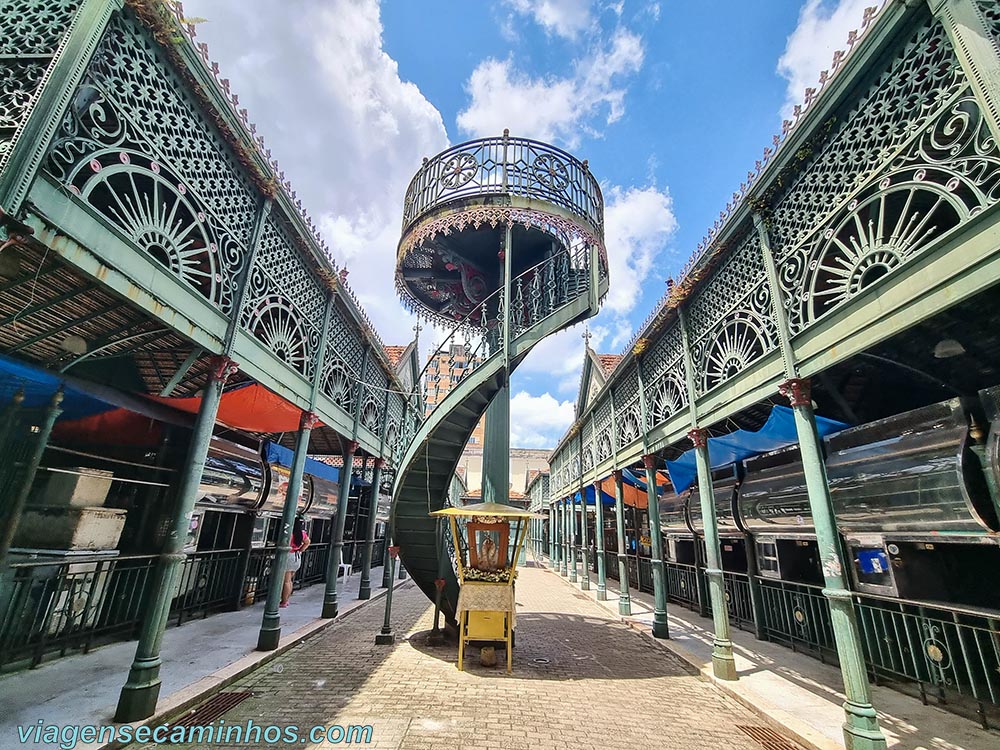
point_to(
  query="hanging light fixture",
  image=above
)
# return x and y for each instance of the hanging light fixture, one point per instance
(74, 344)
(947, 348)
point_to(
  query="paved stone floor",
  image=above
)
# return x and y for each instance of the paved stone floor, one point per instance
(581, 680)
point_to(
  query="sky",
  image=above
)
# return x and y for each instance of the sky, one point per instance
(671, 101)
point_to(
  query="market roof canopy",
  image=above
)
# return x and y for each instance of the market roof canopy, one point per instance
(487, 509)
(777, 432)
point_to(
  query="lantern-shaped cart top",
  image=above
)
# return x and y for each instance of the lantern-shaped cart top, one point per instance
(488, 540)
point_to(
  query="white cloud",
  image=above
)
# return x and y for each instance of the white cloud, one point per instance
(638, 224)
(821, 31)
(348, 131)
(552, 108)
(538, 421)
(565, 18)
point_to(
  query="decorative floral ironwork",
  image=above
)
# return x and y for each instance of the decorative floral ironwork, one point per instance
(732, 321)
(509, 166)
(947, 174)
(32, 32)
(285, 302)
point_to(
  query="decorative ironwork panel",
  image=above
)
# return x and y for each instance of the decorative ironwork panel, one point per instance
(603, 437)
(32, 32)
(136, 149)
(949, 174)
(665, 378)
(285, 302)
(394, 427)
(923, 76)
(587, 458)
(991, 10)
(731, 317)
(375, 384)
(628, 409)
(139, 92)
(345, 342)
(930, 166)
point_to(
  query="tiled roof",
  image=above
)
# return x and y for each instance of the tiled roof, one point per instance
(394, 354)
(609, 362)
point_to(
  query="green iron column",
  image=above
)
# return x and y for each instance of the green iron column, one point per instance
(330, 608)
(365, 589)
(561, 523)
(270, 628)
(584, 545)
(560, 531)
(861, 729)
(656, 540)
(385, 637)
(624, 600)
(602, 579)
(496, 451)
(553, 557)
(139, 694)
(723, 664)
(10, 519)
(571, 537)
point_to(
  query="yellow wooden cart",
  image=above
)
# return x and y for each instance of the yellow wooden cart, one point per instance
(487, 567)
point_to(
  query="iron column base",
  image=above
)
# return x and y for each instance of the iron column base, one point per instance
(624, 605)
(723, 664)
(384, 639)
(861, 730)
(138, 697)
(602, 593)
(330, 610)
(365, 591)
(270, 632)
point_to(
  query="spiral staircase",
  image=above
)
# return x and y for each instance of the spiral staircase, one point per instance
(502, 245)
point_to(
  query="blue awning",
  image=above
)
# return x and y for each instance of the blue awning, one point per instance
(606, 499)
(278, 454)
(777, 432)
(39, 385)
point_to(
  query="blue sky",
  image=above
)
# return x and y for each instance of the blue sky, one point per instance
(670, 101)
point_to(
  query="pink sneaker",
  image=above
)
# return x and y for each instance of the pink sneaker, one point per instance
(283, 604)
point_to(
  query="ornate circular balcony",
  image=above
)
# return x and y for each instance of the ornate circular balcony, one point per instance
(460, 204)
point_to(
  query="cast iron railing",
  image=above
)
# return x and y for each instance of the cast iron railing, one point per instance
(505, 166)
(74, 604)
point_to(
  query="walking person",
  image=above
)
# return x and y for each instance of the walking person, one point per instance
(300, 542)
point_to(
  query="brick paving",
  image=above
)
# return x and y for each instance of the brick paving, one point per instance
(581, 680)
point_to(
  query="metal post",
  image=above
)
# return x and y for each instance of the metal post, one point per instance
(624, 600)
(138, 696)
(561, 524)
(365, 590)
(337, 542)
(584, 542)
(571, 537)
(270, 628)
(861, 729)
(723, 664)
(386, 574)
(496, 451)
(553, 560)
(656, 539)
(12, 517)
(602, 580)
(385, 636)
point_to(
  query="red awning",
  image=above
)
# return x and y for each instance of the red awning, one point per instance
(250, 407)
